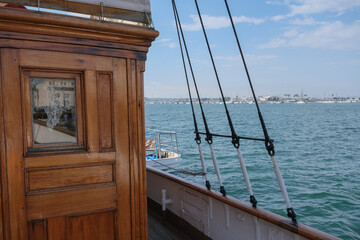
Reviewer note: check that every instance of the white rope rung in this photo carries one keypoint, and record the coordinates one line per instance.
(202, 161)
(281, 182)
(216, 165)
(244, 171)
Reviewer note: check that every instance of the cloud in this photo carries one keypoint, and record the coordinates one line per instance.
(307, 21)
(212, 22)
(274, 3)
(334, 35)
(307, 7)
(249, 58)
(167, 42)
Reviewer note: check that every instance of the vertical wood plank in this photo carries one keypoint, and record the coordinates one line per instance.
(56, 228)
(134, 147)
(14, 142)
(105, 112)
(3, 196)
(91, 111)
(121, 134)
(140, 68)
(38, 230)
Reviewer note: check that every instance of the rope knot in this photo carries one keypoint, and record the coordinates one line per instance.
(236, 141)
(270, 147)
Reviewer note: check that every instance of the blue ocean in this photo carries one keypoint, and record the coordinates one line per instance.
(317, 149)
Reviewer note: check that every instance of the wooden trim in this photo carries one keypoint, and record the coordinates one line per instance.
(35, 17)
(69, 37)
(34, 59)
(134, 148)
(26, 74)
(121, 144)
(68, 159)
(9, 43)
(91, 111)
(302, 230)
(14, 138)
(141, 141)
(4, 196)
(89, 9)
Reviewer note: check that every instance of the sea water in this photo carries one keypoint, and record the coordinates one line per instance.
(317, 149)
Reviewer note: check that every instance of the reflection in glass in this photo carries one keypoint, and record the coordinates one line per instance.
(53, 104)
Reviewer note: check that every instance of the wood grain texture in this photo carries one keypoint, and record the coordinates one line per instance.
(38, 230)
(14, 142)
(91, 112)
(98, 226)
(141, 139)
(105, 109)
(10, 43)
(50, 60)
(4, 214)
(121, 144)
(28, 16)
(134, 148)
(56, 228)
(68, 202)
(65, 177)
(105, 41)
(68, 159)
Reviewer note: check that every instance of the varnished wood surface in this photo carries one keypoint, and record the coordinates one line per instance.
(71, 201)
(105, 110)
(66, 177)
(80, 23)
(83, 227)
(13, 134)
(122, 146)
(96, 188)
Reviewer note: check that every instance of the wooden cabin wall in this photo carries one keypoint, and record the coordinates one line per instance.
(97, 189)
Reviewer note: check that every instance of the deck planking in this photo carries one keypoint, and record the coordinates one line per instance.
(158, 229)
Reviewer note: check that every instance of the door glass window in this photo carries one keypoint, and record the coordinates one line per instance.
(53, 106)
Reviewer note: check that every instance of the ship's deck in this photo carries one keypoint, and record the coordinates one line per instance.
(161, 230)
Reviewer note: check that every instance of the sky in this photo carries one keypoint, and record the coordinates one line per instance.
(289, 46)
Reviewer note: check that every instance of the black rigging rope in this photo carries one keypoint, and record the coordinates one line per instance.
(208, 134)
(197, 138)
(235, 138)
(268, 143)
(178, 23)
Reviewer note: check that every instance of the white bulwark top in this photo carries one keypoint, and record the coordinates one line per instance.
(133, 5)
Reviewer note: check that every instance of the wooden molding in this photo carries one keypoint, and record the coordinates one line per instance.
(40, 30)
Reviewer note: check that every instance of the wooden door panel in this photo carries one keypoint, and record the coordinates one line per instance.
(68, 159)
(38, 230)
(98, 226)
(56, 228)
(62, 203)
(94, 192)
(68, 177)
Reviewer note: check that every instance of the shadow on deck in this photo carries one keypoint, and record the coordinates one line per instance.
(163, 230)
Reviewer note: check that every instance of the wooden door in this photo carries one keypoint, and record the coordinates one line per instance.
(71, 141)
